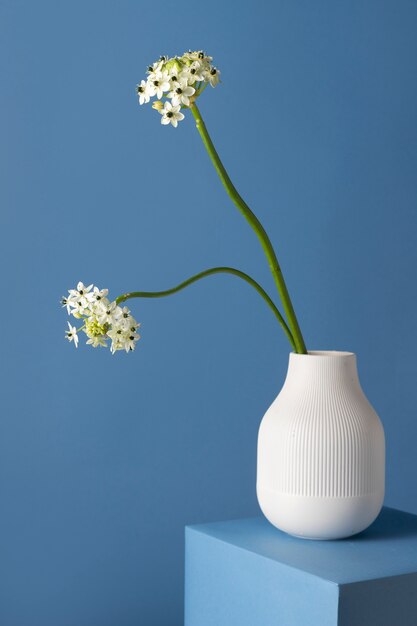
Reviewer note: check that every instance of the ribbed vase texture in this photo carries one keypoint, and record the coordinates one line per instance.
(321, 451)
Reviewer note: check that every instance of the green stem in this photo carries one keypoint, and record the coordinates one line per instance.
(257, 227)
(209, 272)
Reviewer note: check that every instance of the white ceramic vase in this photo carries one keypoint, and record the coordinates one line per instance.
(321, 451)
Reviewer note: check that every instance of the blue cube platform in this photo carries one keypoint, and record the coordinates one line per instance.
(247, 573)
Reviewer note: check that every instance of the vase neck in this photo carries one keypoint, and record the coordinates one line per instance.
(322, 367)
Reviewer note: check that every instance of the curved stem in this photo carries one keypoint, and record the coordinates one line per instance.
(209, 272)
(257, 227)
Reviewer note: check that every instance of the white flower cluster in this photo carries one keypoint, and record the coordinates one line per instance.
(103, 320)
(180, 80)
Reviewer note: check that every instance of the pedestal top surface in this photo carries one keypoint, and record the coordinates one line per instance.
(387, 548)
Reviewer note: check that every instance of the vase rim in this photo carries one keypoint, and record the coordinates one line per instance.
(324, 353)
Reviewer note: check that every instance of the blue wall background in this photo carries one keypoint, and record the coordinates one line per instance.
(104, 459)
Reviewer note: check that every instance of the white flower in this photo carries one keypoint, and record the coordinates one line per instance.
(181, 92)
(126, 318)
(81, 290)
(108, 313)
(158, 84)
(171, 114)
(130, 341)
(99, 295)
(143, 92)
(101, 318)
(196, 71)
(80, 307)
(71, 334)
(173, 79)
(174, 72)
(122, 339)
(198, 55)
(79, 300)
(154, 67)
(67, 303)
(123, 333)
(117, 335)
(214, 76)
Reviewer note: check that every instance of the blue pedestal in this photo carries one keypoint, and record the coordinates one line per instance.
(247, 573)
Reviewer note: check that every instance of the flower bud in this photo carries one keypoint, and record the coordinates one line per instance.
(158, 105)
(173, 64)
